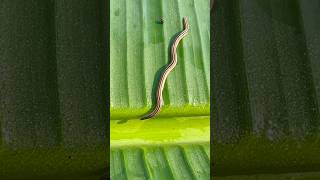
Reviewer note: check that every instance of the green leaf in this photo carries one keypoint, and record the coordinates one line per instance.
(266, 87)
(53, 74)
(175, 144)
(165, 162)
(139, 49)
(291, 176)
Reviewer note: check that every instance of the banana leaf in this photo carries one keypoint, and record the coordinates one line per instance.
(53, 89)
(174, 144)
(266, 89)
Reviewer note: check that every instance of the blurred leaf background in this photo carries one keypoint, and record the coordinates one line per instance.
(53, 89)
(266, 88)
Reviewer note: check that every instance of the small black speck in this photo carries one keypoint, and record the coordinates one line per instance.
(160, 21)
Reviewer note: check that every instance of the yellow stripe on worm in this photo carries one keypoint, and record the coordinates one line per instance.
(168, 69)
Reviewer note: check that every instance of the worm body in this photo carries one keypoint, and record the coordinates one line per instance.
(169, 68)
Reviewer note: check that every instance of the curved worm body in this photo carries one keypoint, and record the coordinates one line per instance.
(168, 69)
